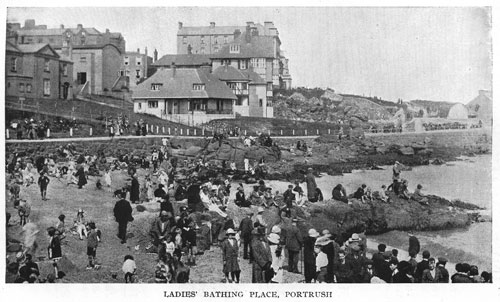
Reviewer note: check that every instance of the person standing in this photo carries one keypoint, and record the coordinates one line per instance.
(277, 257)
(309, 256)
(442, 274)
(430, 275)
(230, 254)
(246, 228)
(293, 245)
(289, 199)
(123, 215)
(422, 266)
(262, 258)
(82, 178)
(54, 248)
(43, 182)
(311, 186)
(92, 242)
(134, 189)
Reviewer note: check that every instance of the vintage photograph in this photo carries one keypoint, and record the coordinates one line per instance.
(248, 145)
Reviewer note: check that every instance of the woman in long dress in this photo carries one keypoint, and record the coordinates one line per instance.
(230, 257)
(277, 257)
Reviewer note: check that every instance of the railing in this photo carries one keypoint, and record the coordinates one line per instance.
(240, 91)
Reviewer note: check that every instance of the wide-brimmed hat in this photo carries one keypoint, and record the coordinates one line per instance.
(273, 238)
(260, 209)
(354, 237)
(313, 233)
(230, 231)
(214, 187)
(20, 257)
(322, 241)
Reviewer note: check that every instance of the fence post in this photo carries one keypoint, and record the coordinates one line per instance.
(328, 131)
(7, 134)
(90, 131)
(181, 131)
(269, 132)
(317, 131)
(281, 132)
(293, 131)
(203, 131)
(305, 132)
(194, 132)
(147, 128)
(168, 130)
(157, 129)
(187, 132)
(71, 132)
(163, 129)
(245, 132)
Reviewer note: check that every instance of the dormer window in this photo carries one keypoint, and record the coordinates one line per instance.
(156, 86)
(202, 39)
(234, 48)
(198, 86)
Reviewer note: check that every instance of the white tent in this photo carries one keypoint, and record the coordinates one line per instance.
(458, 112)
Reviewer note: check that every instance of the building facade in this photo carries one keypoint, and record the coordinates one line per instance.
(135, 67)
(185, 95)
(36, 71)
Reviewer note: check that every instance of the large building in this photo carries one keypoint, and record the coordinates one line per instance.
(37, 71)
(185, 95)
(97, 56)
(135, 67)
(220, 43)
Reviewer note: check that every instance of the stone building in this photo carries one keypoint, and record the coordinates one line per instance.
(37, 71)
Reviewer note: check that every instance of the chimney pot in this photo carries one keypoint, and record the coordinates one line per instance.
(62, 26)
(138, 50)
(79, 26)
(212, 24)
(107, 30)
(180, 25)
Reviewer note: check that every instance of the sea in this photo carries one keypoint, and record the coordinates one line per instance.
(468, 179)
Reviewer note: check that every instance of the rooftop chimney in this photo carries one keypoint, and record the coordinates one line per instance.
(138, 50)
(212, 24)
(250, 23)
(155, 55)
(173, 69)
(146, 51)
(79, 27)
(107, 30)
(268, 24)
(237, 34)
(62, 26)
(180, 25)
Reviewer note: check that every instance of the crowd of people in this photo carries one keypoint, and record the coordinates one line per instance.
(194, 218)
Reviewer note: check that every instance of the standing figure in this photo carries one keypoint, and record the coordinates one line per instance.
(43, 182)
(123, 215)
(230, 252)
(246, 228)
(277, 257)
(311, 186)
(82, 178)
(134, 189)
(262, 258)
(293, 245)
(54, 248)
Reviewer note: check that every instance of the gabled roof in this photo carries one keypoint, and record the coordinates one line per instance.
(37, 48)
(56, 31)
(183, 60)
(178, 84)
(229, 73)
(11, 47)
(258, 47)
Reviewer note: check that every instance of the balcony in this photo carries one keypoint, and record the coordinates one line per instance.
(237, 91)
(269, 93)
(224, 112)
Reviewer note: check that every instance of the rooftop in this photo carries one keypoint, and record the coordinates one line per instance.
(183, 60)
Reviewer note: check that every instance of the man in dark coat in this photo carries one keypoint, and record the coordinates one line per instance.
(442, 274)
(331, 250)
(288, 198)
(339, 193)
(161, 228)
(123, 214)
(82, 178)
(404, 273)
(357, 262)
(343, 269)
(461, 275)
(261, 255)
(134, 189)
(422, 266)
(193, 198)
(310, 256)
(293, 245)
(311, 186)
(378, 258)
(240, 199)
(385, 270)
(246, 228)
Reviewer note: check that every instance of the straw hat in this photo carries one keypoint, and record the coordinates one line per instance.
(230, 231)
(273, 238)
(354, 237)
(322, 241)
(313, 233)
(276, 229)
(260, 209)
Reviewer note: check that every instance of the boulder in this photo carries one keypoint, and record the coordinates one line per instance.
(407, 151)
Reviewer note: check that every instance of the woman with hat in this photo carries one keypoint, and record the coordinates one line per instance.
(230, 257)
(310, 256)
(277, 257)
(321, 259)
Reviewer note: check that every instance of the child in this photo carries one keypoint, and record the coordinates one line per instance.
(129, 268)
(382, 194)
(169, 245)
(162, 271)
(54, 249)
(81, 229)
(92, 242)
(60, 228)
(43, 182)
(24, 211)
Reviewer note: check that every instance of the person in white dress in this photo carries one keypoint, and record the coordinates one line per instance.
(277, 257)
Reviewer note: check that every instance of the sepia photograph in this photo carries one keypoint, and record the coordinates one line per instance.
(227, 145)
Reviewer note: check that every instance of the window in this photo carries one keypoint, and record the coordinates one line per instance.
(40, 40)
(51, 40)
(46, 87)
(152, 104)
(29, 40)
(270, 86)
(198, 86)
(202, 39)
(121, 73)
(46, 67)
(138, 61)
(184, 40)
(239, 101)
(126, 60)
(138, 73)
(215, 39)
(269, 102)
(243, 64)
(258, 62)
(197, 105)
(28, 88)
(139, 106)
(156, 86)
(226, 62)
(83, 59)
(13, 64)
(234, 48)
(216, 48)
(244, 86)
(225, 39)
(260, 102)
(21, 87)
(81, 78)
(65, 69)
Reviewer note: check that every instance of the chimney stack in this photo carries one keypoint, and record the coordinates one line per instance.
(247, 34)
(79, 27)
(250, 23)
(237, 34)
(155, 55)
(62, 26)
(180, 25)
(29, 24)
(146, 51)
(173, 69)
(212, 24)
(138, 50)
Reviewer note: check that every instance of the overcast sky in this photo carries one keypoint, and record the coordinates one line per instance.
(440, 54)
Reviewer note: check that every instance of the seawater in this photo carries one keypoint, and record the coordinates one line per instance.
(468, 179)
